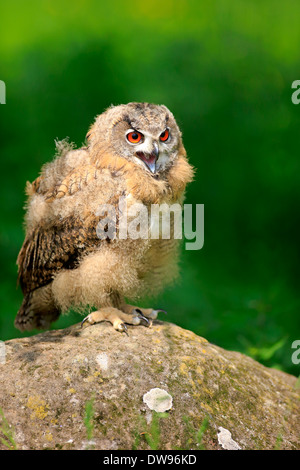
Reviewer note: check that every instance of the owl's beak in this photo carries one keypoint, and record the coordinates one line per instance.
(154, 157)
(150, 159)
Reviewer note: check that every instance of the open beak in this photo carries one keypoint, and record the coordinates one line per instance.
(150, 159)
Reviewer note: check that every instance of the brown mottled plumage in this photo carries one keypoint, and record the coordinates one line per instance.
(63, 263)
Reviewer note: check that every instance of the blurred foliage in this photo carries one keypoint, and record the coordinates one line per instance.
(225, 70)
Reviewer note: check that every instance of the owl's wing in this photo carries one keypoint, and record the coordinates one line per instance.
(74, 181)
(49, 248)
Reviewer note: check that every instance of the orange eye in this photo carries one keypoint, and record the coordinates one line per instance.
(134, 137)
(164, 135)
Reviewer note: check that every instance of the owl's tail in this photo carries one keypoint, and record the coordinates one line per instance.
(38, 310)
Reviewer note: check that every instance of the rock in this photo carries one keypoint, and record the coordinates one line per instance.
(78, 389)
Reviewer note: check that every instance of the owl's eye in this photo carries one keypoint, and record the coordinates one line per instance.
(164, 135)
(134, 137)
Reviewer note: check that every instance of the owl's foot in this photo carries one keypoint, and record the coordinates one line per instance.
(116, 318)
(148, 314)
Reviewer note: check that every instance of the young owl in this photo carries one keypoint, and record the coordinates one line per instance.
(134, 152)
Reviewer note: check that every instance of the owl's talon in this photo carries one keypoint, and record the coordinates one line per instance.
(154, 314)
(144, 314)
(161, 311)
(86, 319)
(122, 328)
(142, 317)
(145, 319)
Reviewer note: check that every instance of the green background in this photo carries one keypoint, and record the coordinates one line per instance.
(225, 70)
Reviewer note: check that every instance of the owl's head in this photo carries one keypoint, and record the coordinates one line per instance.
(143, 133)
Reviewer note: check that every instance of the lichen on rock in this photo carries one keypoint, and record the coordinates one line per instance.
(225, 440)
(158, 400)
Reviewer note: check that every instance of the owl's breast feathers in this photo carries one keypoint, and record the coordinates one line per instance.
(60, 243)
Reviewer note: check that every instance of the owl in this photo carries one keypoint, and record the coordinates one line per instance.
(134, 152)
